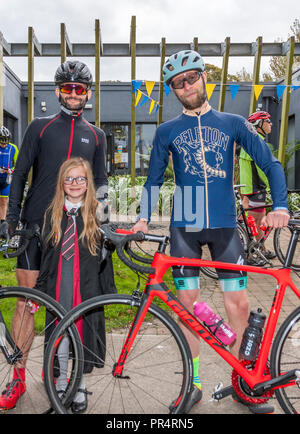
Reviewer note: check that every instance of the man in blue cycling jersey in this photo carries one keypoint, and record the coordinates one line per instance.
(8, 157)
(201, 141)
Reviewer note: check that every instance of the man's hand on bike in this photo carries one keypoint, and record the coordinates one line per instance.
(141, 225)
(276, 219)
(7, 229)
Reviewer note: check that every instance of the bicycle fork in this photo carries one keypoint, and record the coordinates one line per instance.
(135, 327)
(6, 337)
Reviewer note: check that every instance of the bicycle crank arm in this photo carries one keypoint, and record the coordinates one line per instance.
(220, 393)
(261, 388)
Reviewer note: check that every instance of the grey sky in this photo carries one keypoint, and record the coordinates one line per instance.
(176, 20)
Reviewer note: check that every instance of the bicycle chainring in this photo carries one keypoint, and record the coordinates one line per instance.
(243, 391)
(255, 254)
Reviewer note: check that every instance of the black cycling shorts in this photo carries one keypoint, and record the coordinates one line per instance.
(224, 245)
(30, 259)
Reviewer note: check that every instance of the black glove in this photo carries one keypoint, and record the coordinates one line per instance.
(8, 228)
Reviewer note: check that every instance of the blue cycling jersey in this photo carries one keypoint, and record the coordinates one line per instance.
(202, 148)
(8, 158)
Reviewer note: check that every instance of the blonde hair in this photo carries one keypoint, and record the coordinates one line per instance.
(90, 233)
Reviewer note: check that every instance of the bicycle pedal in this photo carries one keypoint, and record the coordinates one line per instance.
(220, 392)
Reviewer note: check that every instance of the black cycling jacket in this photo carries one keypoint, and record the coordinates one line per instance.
(47, 143)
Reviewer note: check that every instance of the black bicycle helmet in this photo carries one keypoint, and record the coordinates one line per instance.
(73, 70)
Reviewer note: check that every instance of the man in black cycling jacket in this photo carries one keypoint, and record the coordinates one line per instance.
(47, 143)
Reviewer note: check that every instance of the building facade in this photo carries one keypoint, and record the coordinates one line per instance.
(116, 117)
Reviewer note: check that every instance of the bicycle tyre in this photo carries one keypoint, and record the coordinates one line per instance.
(211, 272)
(158, 367)
(281, 241)
(35, 399)
(285, 356)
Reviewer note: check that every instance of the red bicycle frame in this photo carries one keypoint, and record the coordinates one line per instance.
(156, 288)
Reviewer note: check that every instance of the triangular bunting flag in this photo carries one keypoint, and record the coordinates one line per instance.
(280, 89)
(149, 86)
(167, 89)
(234, 89)
(157, 107)
(210, 87)
(151, 106)
(139, 94)
(136, 84)
(294, 87)
(257, 90)
(144, 100)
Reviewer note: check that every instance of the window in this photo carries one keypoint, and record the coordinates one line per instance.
(144, 134)
(119, 148)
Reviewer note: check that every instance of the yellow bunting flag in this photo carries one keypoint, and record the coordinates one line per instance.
(210, 87)
(149, 86)
(257, 90)
(138, 97)
(151, 106)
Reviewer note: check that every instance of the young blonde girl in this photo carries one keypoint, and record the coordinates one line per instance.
(72, 269)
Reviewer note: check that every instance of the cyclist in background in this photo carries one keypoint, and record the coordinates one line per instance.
(201, 141)
(8, 157)
(253, 177)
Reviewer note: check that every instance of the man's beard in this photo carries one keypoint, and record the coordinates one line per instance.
(198, 102)
(81, 104)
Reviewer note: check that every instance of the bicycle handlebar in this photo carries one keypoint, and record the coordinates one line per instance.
(294, 223)
(122, 238)
(27, 235)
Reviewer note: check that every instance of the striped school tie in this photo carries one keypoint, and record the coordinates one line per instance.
(69, 236)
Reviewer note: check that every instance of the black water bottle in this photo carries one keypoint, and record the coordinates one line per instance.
(252, 335)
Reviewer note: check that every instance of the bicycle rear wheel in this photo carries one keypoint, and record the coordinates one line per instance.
(14, 331)
(157, 371)
(281, 241)
(285, 356)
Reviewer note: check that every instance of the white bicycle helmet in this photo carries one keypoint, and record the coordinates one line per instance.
(4, 132)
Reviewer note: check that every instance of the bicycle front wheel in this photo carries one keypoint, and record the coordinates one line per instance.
(158, 369)
(285, 356)
(23, 338)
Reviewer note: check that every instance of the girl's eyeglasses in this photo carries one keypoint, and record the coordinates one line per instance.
(79, 180)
